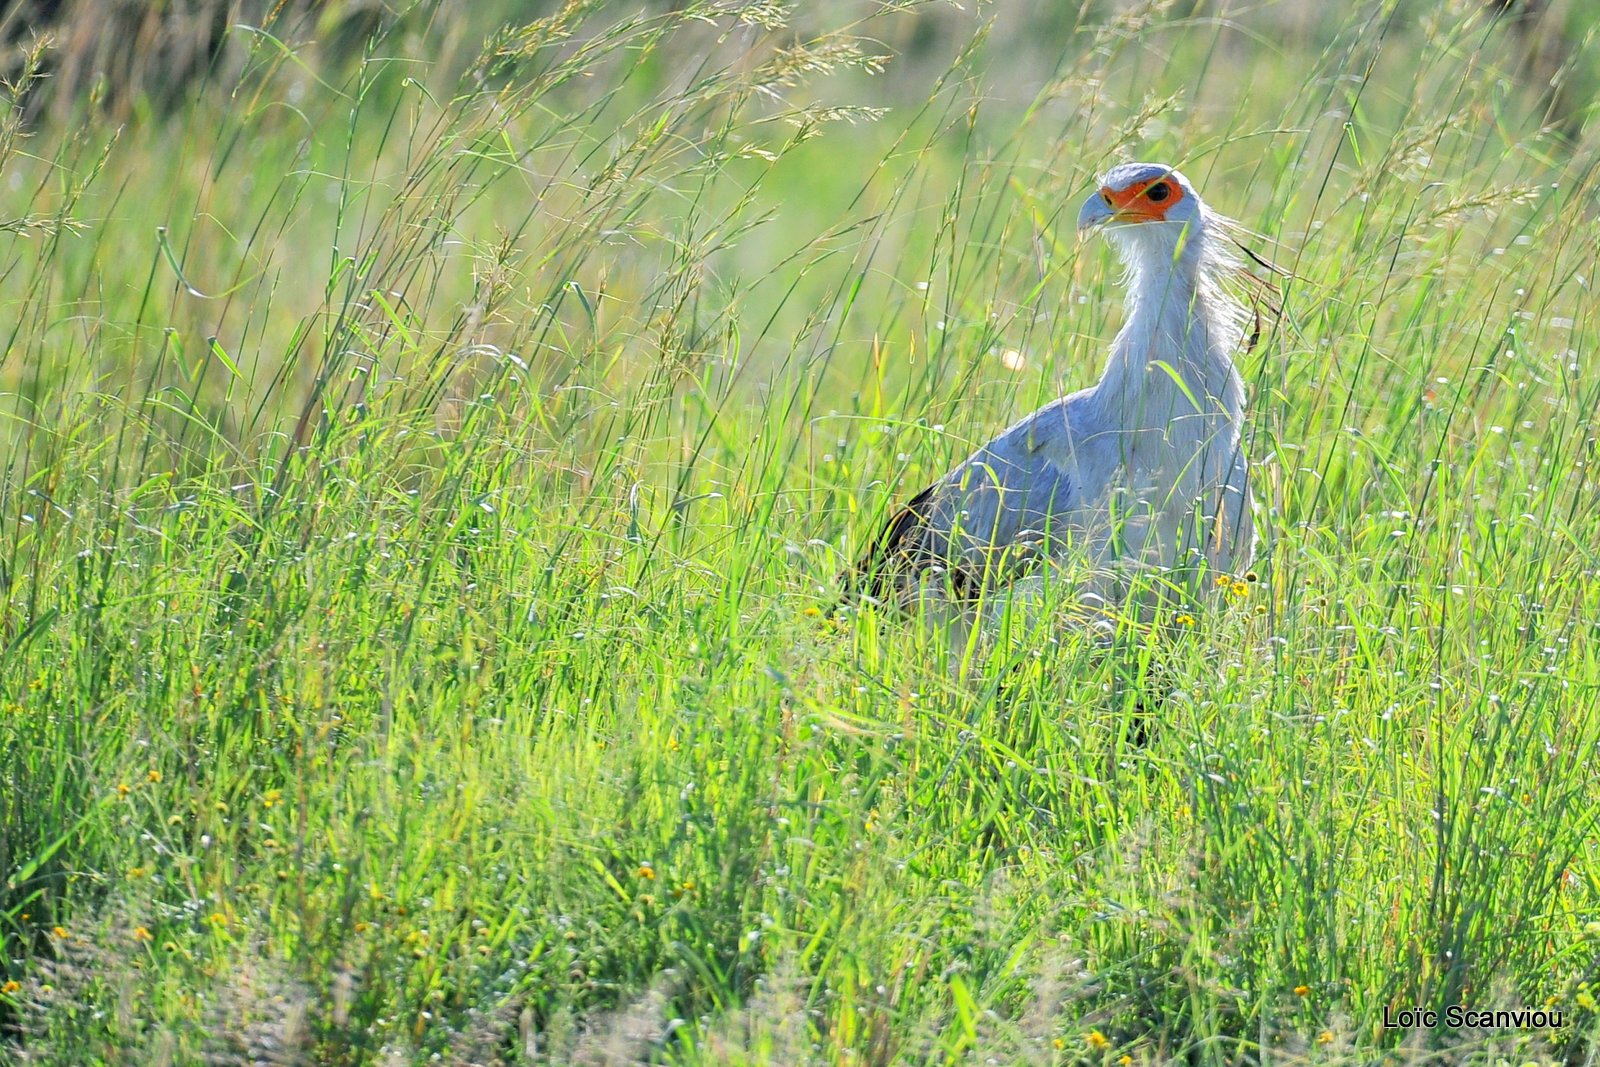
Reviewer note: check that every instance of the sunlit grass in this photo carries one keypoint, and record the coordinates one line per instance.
(420, 500)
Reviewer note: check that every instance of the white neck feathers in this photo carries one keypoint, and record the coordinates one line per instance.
(1172, 360)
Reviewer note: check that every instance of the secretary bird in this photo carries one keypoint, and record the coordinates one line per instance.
(1143, 471)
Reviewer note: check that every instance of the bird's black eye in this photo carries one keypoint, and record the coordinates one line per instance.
(1158, 192)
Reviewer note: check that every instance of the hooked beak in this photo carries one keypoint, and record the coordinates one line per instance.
(1095, 213)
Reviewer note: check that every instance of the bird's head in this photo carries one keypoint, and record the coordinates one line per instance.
(1145, 206)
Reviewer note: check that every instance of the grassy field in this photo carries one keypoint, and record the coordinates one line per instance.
(424, 465)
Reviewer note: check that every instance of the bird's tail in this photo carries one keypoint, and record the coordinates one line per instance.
(894, 553)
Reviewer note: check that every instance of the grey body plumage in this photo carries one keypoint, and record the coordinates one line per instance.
(1144, 469)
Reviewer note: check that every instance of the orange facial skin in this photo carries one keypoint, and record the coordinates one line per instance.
(1136, 202)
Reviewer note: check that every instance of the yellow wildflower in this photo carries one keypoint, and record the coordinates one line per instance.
(10, 987)
(123, 789)
(1325, 1038)
(1585, 1000)
(152, 775)
(1185, 619)
(1302, 991)
(1058, 1043)
(271, 798)
(646, 872)
(141, 934)
(59, 931)
(1097, 1041)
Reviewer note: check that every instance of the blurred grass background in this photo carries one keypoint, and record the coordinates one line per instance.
(428, 432)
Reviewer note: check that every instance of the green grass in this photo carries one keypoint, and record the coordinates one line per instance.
(416, 492)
